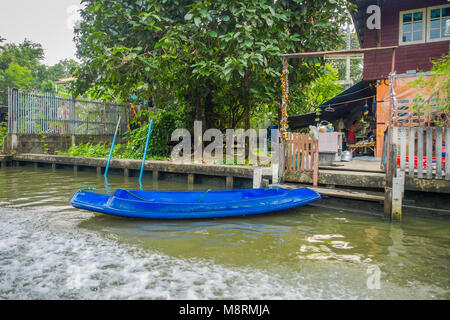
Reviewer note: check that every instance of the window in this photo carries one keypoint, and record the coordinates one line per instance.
(424, 25)
(412, 26)
(437, 20)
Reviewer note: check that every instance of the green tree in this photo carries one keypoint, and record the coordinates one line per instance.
(219, 57)
(307, 98)
(21, 67)
(17, 76)
(63, 69)
(26, 54)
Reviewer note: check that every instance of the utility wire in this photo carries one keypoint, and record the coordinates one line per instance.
(349, 101)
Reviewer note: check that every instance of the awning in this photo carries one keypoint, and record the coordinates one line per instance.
(349, 102)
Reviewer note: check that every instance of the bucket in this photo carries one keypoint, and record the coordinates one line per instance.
(346, 156)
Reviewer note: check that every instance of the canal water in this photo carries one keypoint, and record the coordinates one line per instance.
(49, 250)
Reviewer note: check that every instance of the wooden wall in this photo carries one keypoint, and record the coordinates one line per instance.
(408, 57)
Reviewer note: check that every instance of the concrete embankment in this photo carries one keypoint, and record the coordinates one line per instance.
(369, 180)
(230, 173)
(351, 191)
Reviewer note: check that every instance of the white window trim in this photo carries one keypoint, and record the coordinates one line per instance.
(400, 27)
(429, 24)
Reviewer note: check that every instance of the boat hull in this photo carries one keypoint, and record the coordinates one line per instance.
(193, 205)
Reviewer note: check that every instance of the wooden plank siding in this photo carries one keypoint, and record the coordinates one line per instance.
(418, 57)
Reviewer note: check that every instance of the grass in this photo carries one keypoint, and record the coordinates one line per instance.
(102, 150)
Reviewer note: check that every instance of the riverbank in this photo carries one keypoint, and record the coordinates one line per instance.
(367, 199)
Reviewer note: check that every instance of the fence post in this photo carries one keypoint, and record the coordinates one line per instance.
(438, 153)
(447, 153)
(390, 173)
(398, 184)
(315, 162)
(420, 153)
(429, 153)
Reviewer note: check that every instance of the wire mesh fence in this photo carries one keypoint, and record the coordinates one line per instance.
(32, 113)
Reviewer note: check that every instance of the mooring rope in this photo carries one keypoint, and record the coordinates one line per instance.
(136, 196)
(204, 195)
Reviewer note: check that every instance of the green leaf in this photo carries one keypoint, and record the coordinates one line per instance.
(212, 33)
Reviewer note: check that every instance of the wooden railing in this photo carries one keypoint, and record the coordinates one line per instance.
(423, 152)
(302, 154)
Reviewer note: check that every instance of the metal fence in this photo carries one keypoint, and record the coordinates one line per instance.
(32, 113)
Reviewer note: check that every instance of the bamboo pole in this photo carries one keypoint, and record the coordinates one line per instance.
(145, 153)
(112, 148)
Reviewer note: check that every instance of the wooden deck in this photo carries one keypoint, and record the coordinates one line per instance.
(339, 193)
(355, 165)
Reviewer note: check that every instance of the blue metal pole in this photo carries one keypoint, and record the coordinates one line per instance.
(145, 152)
(112, 148)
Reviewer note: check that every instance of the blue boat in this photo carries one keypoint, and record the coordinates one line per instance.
(192, 204)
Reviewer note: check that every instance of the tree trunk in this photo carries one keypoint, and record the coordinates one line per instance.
(247, 111)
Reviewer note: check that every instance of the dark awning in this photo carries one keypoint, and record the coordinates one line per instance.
(349, 102)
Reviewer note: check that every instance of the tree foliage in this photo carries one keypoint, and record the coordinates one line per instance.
(21, 68)
(318, 91)
(438, 101)
(219, 58)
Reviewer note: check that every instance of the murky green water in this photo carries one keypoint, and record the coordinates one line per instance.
(49, 250)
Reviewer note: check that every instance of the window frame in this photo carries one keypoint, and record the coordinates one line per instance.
(428, 31)
(424, 26)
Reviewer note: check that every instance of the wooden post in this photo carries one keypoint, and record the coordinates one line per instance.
(99, 171)
(275, 171)
(420, 153)
(438, 153)
(75, 169)
(126, 172)
(429, 153)
(393, 61)
(281, 127)
(398, 186)
(412, 142)
(155, 175)
(190, 181)
(53, 167)
(403, 149)
(390, 173)
(315, 162)
(447, 153)
(229, 182)
(257, 176)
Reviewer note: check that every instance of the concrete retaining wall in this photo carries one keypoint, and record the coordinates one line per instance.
(163, 166)
(365, 180)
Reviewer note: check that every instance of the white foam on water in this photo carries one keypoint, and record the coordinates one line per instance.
(46, 256)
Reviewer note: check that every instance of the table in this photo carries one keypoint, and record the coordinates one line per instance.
(363, 146)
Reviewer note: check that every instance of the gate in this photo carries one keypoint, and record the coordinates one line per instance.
(302, 154)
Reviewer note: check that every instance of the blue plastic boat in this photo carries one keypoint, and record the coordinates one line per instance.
(193, 204)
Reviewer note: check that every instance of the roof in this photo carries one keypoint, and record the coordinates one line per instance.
(336, 52)
(359, 16)
(65, 80)
(343, 104)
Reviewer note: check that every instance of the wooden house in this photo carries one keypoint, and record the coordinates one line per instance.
(417, 28)
(410, 34)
